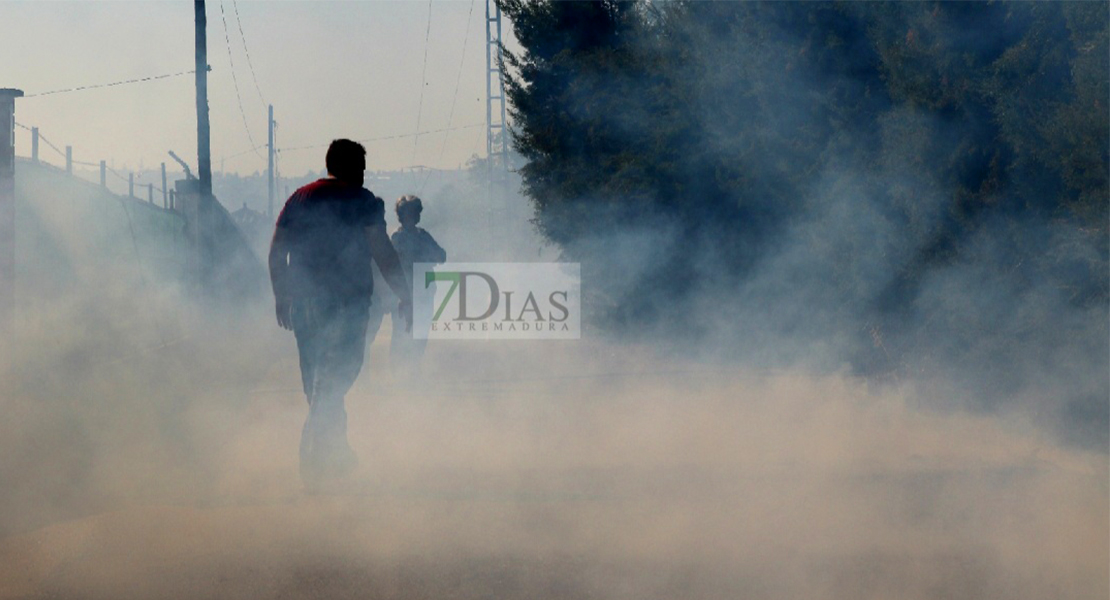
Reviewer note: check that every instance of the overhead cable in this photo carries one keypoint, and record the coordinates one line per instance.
(455, 97)
(235, 80)
(113, 84)
(246, 51)
(388, 137)
(423, 84)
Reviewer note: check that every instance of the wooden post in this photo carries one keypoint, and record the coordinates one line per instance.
(69, 160)
(7, 205)
(165, 189)
(204, 145)
(103, 174)
(35, 145)
(173, 199)
(201, 262)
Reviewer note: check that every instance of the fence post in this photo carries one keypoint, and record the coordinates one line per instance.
(173, 199)
(150, 193)
(131, 185)
(35, 145)
(165, 189)
(7, 205)
(69, 160)
(103, 175)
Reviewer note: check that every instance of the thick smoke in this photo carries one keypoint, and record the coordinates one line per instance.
(750, 447)
(822, 220)
(150, 451)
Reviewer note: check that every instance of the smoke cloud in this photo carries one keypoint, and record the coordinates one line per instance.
(150, 451)
(765, 433)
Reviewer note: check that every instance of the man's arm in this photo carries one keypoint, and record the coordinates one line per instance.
(390, 266)
(279, 277)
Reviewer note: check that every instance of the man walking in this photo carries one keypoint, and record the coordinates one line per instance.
(320, 268)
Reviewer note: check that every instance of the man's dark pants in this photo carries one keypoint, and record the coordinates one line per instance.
(331, 340)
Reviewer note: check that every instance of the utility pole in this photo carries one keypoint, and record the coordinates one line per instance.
(496, 147)
(270, 169)
(7, 205)
(204, 145)
(197, 200)
(497, 162)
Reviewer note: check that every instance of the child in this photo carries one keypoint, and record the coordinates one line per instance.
(414, 245)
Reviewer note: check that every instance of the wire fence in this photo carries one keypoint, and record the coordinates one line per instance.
(97, 172)
(145, 219)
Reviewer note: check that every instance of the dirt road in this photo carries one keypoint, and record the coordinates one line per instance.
(568, 473)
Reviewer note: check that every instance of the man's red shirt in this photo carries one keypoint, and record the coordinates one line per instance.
(324, 227)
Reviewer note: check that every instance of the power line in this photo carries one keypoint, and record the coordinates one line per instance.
(277, 162)
(455, 97)
(246, 51)
(247, 151)
(423, 72)
(388, 137)
(477, 144)
(113, 84)
(235, 79)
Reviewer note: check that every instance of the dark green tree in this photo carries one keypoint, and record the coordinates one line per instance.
(915, 187)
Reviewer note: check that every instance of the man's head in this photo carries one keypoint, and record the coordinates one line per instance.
(346, 161)
(408, 210)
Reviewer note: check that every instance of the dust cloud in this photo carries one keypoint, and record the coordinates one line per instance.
(149, 451)
(505, 477)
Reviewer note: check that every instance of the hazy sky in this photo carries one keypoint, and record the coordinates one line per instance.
(331, 69)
